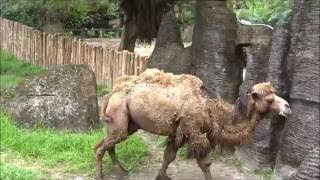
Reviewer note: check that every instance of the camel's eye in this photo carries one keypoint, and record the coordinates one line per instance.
(269, 99)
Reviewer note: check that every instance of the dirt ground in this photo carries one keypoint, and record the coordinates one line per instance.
(181, 168)
(142, 49)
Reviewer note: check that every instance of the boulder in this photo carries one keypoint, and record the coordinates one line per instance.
(62, 98)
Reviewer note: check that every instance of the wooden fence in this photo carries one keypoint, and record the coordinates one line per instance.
(49, 50)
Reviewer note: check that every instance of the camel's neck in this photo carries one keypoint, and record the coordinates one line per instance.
(232, 124)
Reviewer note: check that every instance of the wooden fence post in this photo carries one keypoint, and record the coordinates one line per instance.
(124, 63)
(111, 66)
(49, 50)
(45, 60)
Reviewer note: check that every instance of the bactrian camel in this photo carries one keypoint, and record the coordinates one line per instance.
(178, 106)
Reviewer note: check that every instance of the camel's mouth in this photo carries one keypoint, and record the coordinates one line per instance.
(285, 113)
(282, 106)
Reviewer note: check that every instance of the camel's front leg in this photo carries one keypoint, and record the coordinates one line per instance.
(169, 155)
(204, 163)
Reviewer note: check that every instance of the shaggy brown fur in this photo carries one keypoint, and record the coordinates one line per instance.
(155, 76)
(179, 107)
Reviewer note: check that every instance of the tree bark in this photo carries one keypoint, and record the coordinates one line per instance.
(310, 167)
(256, 42)
(214, 48)
(169, 53)
(261, 65)
(141, 20)
(128, 35)
(301, 132)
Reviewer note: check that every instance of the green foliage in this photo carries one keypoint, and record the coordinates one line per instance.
(13, 70)
(266, 173)
(183, 152)
(102, 90)
(74, 14)
(71, 150)
(185, 12)
(270, 12)
(110, 34)
(16, 173)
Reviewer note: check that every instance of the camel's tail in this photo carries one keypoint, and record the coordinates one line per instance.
(103, 107)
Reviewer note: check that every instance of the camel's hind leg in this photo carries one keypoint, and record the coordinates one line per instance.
(111, 151)
(204, 163)
(169, 155)
(107, 144)
(116, 132)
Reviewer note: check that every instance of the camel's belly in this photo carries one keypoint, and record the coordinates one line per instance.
(156, 110)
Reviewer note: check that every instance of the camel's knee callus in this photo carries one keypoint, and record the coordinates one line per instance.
(107, 119)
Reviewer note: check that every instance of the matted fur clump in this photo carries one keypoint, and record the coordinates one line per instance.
(158, 77)
(223, 116)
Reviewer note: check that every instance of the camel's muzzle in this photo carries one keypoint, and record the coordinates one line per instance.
(283, 107)
(286, 112)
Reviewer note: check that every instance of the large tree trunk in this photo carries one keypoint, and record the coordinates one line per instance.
(256, 41)
(310, 167)
(214, 48)
(169, 53)
(301, 132)
(261, 66)
(128, 35)
(141, 20)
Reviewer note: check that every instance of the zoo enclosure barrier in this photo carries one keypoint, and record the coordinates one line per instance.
(49, 50)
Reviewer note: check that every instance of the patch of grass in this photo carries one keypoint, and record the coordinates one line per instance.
(217, 154)
(183, 152)
(13, 70)
(71, 150)
(17, 173)
(266, 173)
(161, 141)
(238, 164)
(102, 90)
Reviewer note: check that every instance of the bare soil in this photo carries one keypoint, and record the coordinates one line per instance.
(181, 168)
(142, 49)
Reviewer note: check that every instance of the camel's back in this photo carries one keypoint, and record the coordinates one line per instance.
(158, 78)
(156, 100)
(178, 90)
(158, 109)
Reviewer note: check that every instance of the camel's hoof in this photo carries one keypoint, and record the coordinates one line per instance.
(99, 178)
(163, 177)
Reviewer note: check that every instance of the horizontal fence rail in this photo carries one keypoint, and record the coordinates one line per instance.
(49, 50)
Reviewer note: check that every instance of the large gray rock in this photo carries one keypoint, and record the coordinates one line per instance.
(63, 98)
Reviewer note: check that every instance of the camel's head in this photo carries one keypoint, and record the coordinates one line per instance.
(265, 101)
